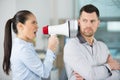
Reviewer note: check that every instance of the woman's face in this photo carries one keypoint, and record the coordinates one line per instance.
(29, 28)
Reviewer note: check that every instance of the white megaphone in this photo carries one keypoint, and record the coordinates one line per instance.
(69, 29)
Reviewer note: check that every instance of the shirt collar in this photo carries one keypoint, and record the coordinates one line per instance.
(82, 40)
(23, 41)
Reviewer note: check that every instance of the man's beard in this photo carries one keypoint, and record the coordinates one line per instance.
(87, 33)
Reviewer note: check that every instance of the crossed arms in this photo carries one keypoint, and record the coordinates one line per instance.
(112, 65)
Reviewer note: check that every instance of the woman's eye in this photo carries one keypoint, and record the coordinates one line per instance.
(34, 22)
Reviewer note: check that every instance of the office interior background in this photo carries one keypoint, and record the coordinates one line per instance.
(54, 12)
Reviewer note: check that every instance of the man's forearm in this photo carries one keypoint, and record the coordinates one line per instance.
(115, 75)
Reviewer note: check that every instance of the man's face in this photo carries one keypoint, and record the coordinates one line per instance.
(88, 23)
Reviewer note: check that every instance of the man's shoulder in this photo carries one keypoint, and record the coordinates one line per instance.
(71, 41)
(101, 42)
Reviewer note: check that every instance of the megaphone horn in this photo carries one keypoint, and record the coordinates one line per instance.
(68, 29)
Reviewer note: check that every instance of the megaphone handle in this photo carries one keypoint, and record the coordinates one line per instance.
(53, 35)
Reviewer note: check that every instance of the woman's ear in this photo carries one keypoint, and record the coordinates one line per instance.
(20, 26)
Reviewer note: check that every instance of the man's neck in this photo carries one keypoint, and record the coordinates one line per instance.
(89, 39)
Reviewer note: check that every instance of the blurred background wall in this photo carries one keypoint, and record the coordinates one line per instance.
(52, 12)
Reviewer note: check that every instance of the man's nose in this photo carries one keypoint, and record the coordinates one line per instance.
(89, 24)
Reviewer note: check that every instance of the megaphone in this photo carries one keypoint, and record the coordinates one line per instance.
(68, 29)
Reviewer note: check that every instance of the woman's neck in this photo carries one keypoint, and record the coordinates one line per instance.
(24, 38)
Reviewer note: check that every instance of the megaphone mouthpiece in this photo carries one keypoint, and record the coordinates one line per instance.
(45, 29)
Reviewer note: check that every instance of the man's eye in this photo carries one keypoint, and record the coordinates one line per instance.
(92, 21)
(84, 20)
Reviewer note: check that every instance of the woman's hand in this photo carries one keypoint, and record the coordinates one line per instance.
(53, 42)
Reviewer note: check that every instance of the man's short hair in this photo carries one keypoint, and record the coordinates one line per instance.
(89, 9)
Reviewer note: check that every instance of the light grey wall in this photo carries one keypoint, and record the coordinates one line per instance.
(65, 8)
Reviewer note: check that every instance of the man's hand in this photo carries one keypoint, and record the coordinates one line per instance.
(114, 65)
(78, 77)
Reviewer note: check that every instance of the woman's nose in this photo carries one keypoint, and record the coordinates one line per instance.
(37, 27)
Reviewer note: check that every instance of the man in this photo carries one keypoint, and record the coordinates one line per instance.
(86, 58)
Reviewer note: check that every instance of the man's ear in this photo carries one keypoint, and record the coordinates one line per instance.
(20, 26)
(78, 22)
(98, 23)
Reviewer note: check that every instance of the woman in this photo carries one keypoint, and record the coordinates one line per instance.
(20, 56)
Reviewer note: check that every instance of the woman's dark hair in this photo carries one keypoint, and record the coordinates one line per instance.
(20, 16)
